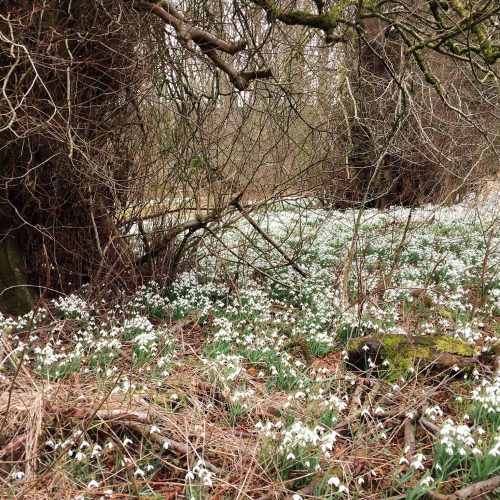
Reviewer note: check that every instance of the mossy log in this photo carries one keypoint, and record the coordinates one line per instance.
(401, 352)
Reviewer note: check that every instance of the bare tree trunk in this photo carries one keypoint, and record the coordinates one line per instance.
(15, 296)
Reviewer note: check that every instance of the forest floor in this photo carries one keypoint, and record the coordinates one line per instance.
(236, 382)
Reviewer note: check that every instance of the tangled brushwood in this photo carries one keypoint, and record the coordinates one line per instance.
(109, 106)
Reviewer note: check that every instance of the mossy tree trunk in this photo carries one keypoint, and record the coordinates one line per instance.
(15, 296)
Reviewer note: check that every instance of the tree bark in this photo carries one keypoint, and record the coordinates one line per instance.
(15, 296)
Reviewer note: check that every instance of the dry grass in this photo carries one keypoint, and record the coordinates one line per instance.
(197, 426)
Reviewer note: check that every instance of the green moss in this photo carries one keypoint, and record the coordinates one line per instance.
(454, 346)
(401, 358)
(390, 340)
(402, 351)
(445, 314)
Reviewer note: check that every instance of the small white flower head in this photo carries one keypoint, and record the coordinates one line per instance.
(139, 473)
(296, 497)
(334, 481)
(127, 441)
(93, 484)
(96, 450)
(189, 476)
(18, 475)
(417, 464)
(166, 445)
(361, 480)
(426, 481)
(154, 430)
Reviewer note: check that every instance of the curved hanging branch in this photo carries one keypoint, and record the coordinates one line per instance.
(446, 27)
(209, 44)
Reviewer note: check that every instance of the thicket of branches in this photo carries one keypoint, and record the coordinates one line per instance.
(199, 107)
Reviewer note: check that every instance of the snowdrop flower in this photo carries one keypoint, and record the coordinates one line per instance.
(127, 441)
(297, 497)
(139, 472)
(361, 481)
(418, 462)
(154, 429)
(18, 475)
(426, 481)
(334, 481)
(93, 484)
(166, 445)
(96, 451)
(80, 456)
(495, 452)
(189, 476)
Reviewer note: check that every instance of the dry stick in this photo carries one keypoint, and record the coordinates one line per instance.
(472, 491)
(127, 418)
(236, 203)
(14, 445)
(429, 425)
(409, 433)
(255, 268)
(230, 279)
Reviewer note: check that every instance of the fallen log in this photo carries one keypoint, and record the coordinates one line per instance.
(476, 490)
(401, 353)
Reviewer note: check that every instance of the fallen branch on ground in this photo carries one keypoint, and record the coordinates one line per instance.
(472, 491)
(129, 418)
